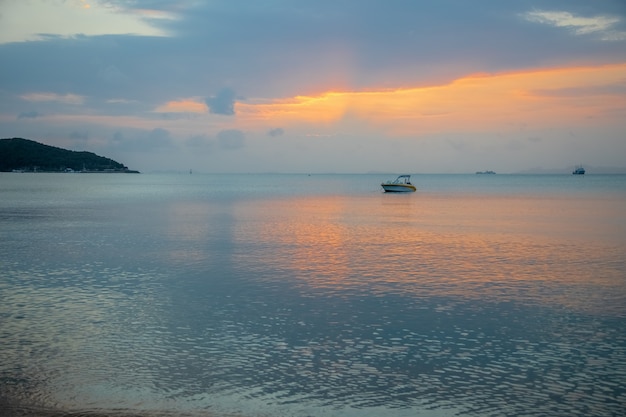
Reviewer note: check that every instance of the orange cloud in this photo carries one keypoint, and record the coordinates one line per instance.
(182, 106)
(325, 108)
(537, 98)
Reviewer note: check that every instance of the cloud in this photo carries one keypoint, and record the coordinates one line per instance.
(460, 145)
(43, 97)
(547, 97)
(182, 106)
(597, 25)
(72, 18)
(29, 115)
(231, 139)
(112, 75)
(617, 89)
(79, 135)
(158, 139)
(200, 142)
(279, 131)
(222, 103)
(79, 140)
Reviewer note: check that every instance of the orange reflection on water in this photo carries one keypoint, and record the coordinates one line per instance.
(481, 247)
(305, 235)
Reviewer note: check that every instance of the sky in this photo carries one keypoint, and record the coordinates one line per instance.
(322, 86)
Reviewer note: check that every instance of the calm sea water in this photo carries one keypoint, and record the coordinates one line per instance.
(277, 295)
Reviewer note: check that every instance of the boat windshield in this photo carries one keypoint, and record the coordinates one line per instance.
(403, 179)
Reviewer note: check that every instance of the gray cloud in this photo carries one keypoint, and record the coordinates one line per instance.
(200, 142)
(231, 139)
(79, 140)
(112, 75)
(159, 138)
(279, 131)
(29, 115)
(154, 140)
(79, 135)
(222, 103)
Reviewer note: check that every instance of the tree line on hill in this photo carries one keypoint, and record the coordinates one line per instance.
(17, 154)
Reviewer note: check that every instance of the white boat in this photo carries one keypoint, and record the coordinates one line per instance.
(402, 184)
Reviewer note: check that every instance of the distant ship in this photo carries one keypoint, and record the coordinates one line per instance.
(485, 172)
(579, 170)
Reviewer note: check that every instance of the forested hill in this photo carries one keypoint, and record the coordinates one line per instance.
(28, 155)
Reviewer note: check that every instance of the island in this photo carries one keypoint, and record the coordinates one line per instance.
(25, 155)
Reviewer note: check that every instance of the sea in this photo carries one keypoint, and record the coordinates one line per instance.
(257, 295)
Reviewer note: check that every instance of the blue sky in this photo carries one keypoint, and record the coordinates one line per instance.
(319, 86)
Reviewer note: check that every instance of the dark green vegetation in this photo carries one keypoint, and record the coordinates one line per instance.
(28, 155)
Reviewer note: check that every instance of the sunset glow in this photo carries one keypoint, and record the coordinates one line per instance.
(334, 87)
(183, 106)
(312, 208)
(540, 98)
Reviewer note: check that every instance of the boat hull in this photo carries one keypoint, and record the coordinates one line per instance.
(398, 188)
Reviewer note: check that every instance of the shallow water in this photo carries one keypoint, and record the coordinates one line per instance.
(258, 295)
